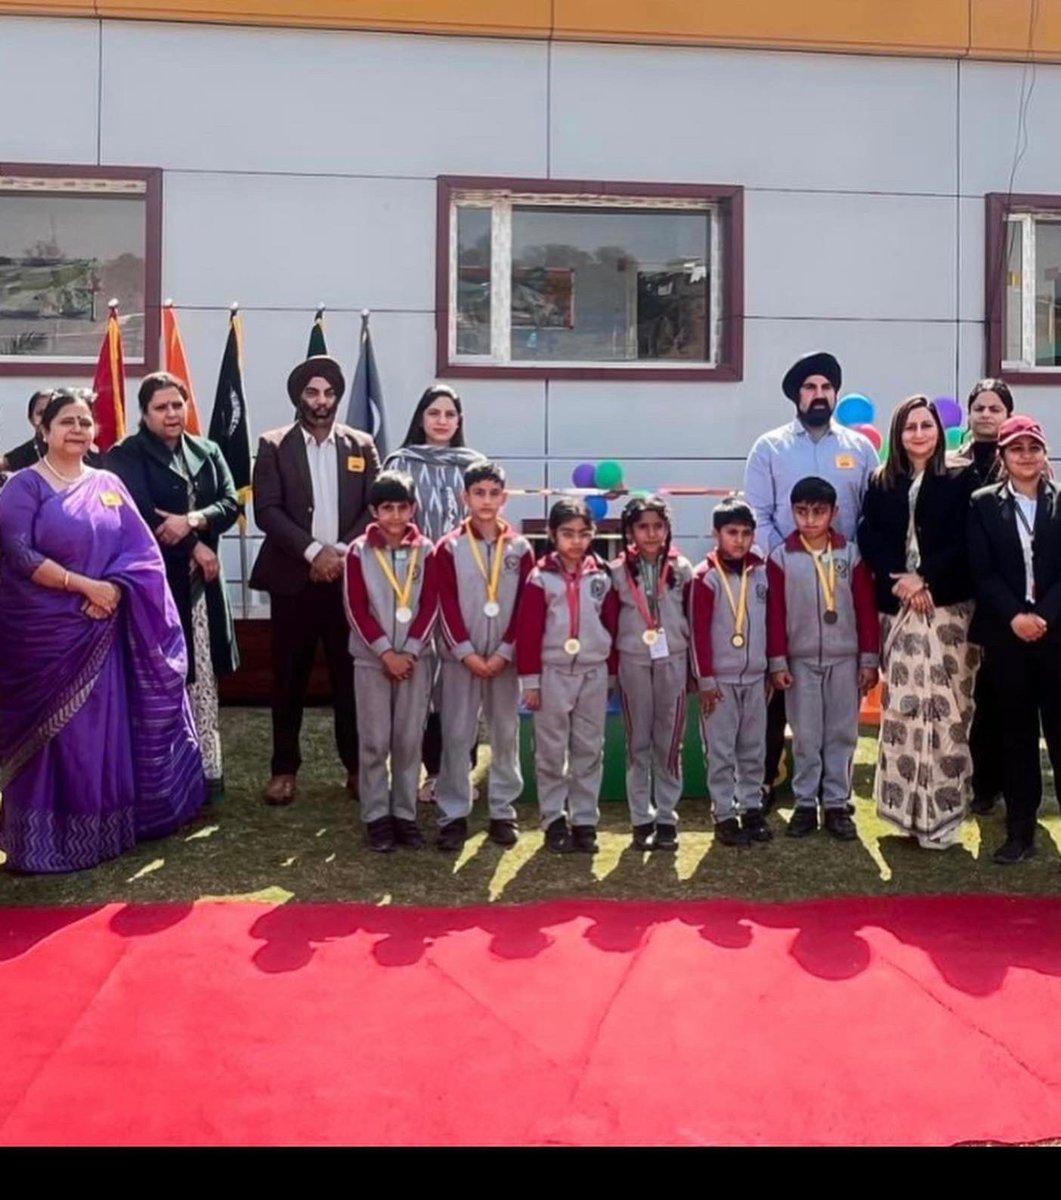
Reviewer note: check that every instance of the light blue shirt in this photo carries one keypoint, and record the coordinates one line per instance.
(781, 458)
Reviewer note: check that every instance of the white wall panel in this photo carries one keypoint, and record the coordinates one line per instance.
(242, 99)
(503, 418)
(49, 82)
(762, 119)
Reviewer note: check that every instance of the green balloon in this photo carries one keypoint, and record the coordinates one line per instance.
(609, 475)
(954, 438)
(882, 453)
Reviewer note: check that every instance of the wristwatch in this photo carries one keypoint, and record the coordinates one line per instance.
(196, 520)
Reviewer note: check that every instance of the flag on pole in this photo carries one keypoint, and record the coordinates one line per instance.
(109, 385)
(177, 364)
(317, 344)
(365, 410)
(229, 426)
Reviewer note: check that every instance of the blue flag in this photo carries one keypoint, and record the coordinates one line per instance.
(365, 410)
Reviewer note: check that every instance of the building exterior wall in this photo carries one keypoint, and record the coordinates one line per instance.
(300, 166)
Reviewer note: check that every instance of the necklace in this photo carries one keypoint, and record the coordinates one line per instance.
(60, 475)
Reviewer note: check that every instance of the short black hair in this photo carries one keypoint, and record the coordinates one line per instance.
(63, 398)
(34, 398)
(569, 508)
(392, 487)
(813, 490)
(159, 381)
(732, 511)
(484, 472)
(1001, 389)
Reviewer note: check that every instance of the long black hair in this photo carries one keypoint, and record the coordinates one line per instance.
(634, 509)
(415, 435)
(568, 508)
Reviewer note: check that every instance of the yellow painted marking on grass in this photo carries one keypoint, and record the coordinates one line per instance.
(205, 832)
(872, 845)
(971, 838)
(321, 832)
(288, 861)
(1053, 829)
(269, 895)
(151, 866)
(469, 850)
(511, 863)
(692, 850)
(330, 858)
(610, 847)
(384, 900)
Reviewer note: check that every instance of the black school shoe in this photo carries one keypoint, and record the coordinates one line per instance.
(1012, 851)
(982, 806)
(729, 833)
(503, 832)
(558, 837)
(803, 822)
(754, 824)
(839, 824)
(380, 835)
(666, 838)
(644, 836)
(407, 833)
(453, 835)
(584, 838)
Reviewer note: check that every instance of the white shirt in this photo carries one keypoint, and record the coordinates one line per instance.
(324, 476)
(1025, 514)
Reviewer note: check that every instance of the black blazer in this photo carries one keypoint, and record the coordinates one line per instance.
(998, 564)
(939, 518)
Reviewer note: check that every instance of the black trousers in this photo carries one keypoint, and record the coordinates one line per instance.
(298, 624)
(1025, 676)
(985, 736)
(775, 737)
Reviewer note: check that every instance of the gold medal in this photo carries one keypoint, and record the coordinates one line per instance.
(572, 646)
(827, 581)
(738, 607)
(738, 640)
(403, 614)
(493, 579)
(650, 637)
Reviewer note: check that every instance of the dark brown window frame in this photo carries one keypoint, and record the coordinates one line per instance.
(729, 198)
(152, 180)
(999, 206)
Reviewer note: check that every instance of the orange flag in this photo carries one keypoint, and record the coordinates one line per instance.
(177, 364)
(109, 385)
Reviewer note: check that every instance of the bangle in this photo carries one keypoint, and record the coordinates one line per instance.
(66, 581)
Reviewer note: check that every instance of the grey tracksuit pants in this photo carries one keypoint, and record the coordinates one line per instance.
(734, 736)
(822, 708)
(464, 696)
(569, 742)
(653, 696)
(390, 723)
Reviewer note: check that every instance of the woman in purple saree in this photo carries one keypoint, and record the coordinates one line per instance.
(97, 741)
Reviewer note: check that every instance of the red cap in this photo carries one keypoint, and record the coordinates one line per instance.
(1015, 427)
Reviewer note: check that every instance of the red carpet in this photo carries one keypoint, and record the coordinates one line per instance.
(924, 1021)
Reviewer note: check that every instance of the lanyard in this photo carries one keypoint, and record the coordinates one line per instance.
(573, 587)
(1027, 547)
(402, 592)
(493, 580)
(828, 585)
(739, 608)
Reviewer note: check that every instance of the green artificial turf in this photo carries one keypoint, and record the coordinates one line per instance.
(314, 851)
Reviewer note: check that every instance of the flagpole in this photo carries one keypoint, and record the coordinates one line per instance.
(244, 590)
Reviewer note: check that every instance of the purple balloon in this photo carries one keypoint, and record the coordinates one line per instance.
(950, 412)
(598, 506)
(584, 475)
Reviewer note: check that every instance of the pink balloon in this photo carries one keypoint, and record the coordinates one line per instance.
(873, 435)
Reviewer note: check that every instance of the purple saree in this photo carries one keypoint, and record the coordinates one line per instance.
(97, 741)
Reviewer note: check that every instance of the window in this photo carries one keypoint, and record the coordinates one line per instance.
(71, 239)
(553, 279)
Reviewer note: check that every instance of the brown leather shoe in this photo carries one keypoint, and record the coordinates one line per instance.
(353, 784)
(280, 790)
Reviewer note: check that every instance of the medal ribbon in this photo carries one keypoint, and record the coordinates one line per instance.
(828, 588)
(640, 599)
(573, 583)
(402, 592)
(740, 607)
(493, 580)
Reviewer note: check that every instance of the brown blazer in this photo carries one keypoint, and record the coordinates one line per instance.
(283, 502)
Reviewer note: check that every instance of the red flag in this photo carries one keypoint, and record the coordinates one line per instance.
(177, 364)
(109, 386)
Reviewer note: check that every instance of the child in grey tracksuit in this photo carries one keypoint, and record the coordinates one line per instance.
(391, 598)
(728, 603)
(482, 567)
(652, 583)
(829, 639)
(565, 655)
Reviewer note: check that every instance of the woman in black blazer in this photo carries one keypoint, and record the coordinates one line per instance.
(1014, 536)
(184, 491)
(910, 534)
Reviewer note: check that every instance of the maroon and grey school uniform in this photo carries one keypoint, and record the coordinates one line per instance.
(391, 715)
(569, 726)
(823, 653)
(652, 679)
(735, 732)
(466, 628)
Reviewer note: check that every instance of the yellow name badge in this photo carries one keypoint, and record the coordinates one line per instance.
(355, 464)
(111, 499)
(845, 462)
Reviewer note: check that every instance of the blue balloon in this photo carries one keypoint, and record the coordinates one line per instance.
(854, 409)
(597, 506)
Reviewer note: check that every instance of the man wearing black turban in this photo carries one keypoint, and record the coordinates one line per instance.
(311, 483)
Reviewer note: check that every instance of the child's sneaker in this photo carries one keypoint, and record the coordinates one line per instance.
(644, 836)
(754, 824)
(584, 838)
(840, 825)
(453, 835)
(666, 837)
(558, 837)
(503, 832)
(380, 835)
(407, 833)
(803, 822)
(729, 833)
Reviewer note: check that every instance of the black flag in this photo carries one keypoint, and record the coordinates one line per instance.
(229, 426)
(365, 410)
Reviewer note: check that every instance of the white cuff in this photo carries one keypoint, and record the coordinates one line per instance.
(311, 552)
